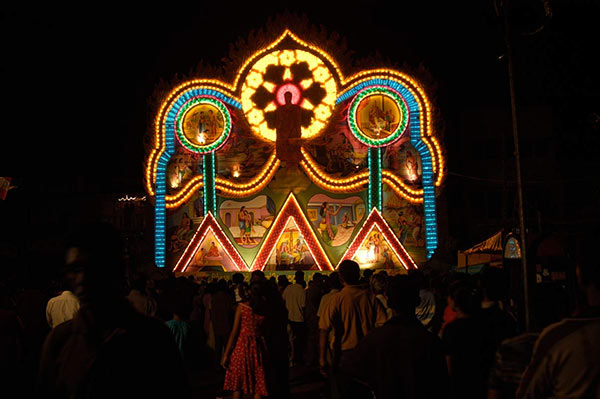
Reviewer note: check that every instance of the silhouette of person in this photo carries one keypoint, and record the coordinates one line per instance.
(108, 349)
(288, 119)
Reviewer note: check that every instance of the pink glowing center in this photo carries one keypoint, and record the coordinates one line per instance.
(284, 88)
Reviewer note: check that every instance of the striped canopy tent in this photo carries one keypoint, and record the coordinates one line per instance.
(492, 245)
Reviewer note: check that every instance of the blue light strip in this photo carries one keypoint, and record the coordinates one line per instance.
(160, 209)
(431, 240)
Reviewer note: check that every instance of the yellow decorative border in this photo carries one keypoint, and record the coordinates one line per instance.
(321, 178)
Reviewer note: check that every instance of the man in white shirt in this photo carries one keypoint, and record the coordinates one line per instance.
(295, 301)
(140, 300)
(61, 308)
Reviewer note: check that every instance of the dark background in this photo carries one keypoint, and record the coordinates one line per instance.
(77, 80)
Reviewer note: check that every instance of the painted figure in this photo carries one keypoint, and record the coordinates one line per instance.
(300, 249)
(202, 123)
(200, 257)
(412, 167)
(283, 252)
(185, 226)
(371, 250)
(345, 220)
(213, 124)
(403, 233)
(248, 228)
(327, 220)
(213, 252)
(416, 227)
(376, 244)
(184, 172)
(388, 263)
(242, 224)
(288, 120)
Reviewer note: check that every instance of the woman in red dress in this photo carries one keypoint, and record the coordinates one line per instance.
(245, 363)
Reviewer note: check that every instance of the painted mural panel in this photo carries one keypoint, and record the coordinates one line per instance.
(210, 256)
(407, 222)
(243, 155)
(248, 220)
(338, 151)
(334, 219)
(404, 160)
(182, 167)
(376, 253)
(291, 251)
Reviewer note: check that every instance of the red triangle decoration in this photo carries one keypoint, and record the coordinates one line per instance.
(375, 220)
(291, 210)
(209, 225)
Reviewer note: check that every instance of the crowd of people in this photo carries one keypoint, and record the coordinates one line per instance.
(369, 334)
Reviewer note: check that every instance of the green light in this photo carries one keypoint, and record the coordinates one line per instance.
(375, 185)
(210, 196)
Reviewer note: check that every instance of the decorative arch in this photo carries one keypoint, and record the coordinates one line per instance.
(233, 97)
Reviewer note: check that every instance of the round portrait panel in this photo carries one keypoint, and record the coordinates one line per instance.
(203, 124)
(378, 116)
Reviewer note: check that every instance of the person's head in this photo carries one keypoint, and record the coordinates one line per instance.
(464, 297)
(334, 281)
(237, 278)
(323, 209)
(288, 97)
(258, 296)
(94, 255)
(379, 283)
(367, 274)
(317, 278)
(282, 281)
(349, 272)
(222, 285)
(403, 296)
(257, 275)
(299, 276)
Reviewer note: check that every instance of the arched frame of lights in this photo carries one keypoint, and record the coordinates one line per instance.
(231, 96)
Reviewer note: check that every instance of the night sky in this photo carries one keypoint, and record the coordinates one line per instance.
(77, 80)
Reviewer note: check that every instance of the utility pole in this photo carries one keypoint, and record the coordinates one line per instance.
(515, 130)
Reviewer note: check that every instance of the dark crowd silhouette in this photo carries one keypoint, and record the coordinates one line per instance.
(100, 332)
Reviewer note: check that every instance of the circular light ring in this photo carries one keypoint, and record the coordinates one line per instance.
(219, 141)
(292, 88)
(402, 123)
(255, 80)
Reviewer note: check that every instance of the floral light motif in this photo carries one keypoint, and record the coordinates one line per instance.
(299, 72)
